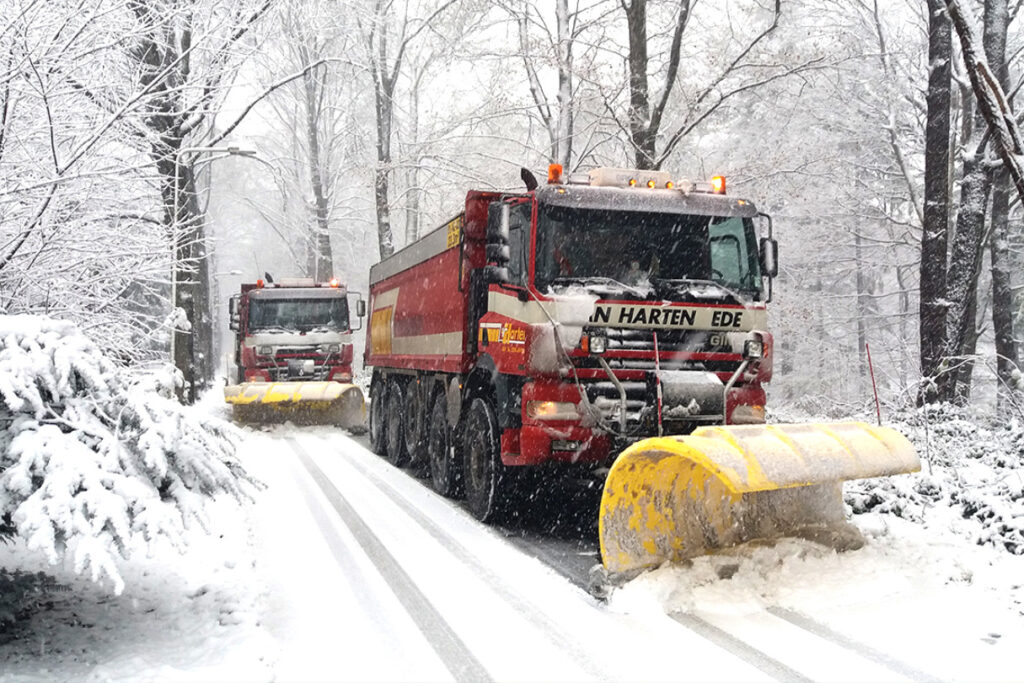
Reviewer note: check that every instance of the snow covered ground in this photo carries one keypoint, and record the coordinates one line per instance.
(346, 569)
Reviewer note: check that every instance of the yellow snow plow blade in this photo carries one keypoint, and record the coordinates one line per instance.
(328, 403)
(672, 498)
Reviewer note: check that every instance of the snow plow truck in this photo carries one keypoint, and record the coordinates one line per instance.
(615, 318)
(293, 354)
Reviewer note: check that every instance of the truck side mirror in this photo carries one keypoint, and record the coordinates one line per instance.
(360, 311)
(234, 321)
(496, 275)
(769, 257)
(497, 251)
(497, 233)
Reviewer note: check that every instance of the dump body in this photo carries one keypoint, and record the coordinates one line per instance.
(293, 354)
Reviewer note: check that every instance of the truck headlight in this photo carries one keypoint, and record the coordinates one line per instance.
(334, 348)
(753, 349)
(265, 350)
(598, 344)
(551, 410)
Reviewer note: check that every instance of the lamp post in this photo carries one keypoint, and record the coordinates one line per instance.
(182, 340)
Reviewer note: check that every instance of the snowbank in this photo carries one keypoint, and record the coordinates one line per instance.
(972, 478)
(91, 461)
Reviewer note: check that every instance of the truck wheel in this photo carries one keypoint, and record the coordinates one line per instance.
(487, 481)
(378, 412)
(395, 420)
(413, 425)
(445, 466)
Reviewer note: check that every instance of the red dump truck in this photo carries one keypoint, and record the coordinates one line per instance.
(293, 353)
(555, 327)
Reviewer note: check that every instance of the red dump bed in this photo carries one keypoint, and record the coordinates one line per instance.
(420, 296)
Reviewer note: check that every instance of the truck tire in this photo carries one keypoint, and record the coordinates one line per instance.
(442, 455)
(412, 425)
(395, 420)
(487, 481)
(378, 412)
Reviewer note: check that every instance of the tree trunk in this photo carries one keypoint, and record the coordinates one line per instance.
(564, 132)
(178, 183)
(384, 109)
(934, 236)
(202, 311)
(323, 259)
(965, 267)
(412, 205)
(862, 314)
(996, 21)
(641, 134)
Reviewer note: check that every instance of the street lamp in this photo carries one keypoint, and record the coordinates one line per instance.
(182, 345)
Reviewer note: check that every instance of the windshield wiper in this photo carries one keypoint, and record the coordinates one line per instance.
(599, 280)
(273, 330)
(710, 283)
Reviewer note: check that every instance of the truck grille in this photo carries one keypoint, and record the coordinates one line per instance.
(293, 351)
(642, 407)
(669, 342)
(621, 338)
(604, 396)
(282, 373)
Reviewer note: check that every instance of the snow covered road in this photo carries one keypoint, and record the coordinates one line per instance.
(373, 576)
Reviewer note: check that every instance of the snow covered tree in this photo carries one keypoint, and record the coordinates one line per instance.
(989, 77)
(93, 463)
(388, 32)
(935, 231)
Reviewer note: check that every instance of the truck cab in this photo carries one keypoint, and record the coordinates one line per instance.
(625, 306)
(294, 330)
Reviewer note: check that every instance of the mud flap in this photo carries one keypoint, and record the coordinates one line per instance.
(672, 498)
(322, 403)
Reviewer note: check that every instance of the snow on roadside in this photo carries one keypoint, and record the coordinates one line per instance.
(193, 616)
(942, 563)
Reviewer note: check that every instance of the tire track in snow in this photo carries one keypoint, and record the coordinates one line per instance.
(748, 653)
(456, 656)
(822, 631)
(520, 603)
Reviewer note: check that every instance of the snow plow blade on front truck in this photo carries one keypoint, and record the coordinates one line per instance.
(676, 497)
(323, 403)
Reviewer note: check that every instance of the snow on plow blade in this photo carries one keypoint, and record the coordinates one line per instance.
(676, 497)
(326, 403)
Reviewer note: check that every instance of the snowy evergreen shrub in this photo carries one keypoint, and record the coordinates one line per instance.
(970, 465)
(92, 463)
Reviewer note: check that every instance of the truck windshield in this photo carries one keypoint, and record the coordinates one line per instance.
(635, 248)
(301, 315)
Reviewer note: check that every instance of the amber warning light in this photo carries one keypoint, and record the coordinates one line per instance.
(718, 184)
(554, 174)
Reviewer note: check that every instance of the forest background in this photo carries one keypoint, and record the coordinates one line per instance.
(127, 182)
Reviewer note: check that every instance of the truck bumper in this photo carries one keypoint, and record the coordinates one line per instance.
(536, 445)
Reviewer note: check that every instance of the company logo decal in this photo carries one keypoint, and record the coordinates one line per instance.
(672, 317)
(454, 232)
(511, 336)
